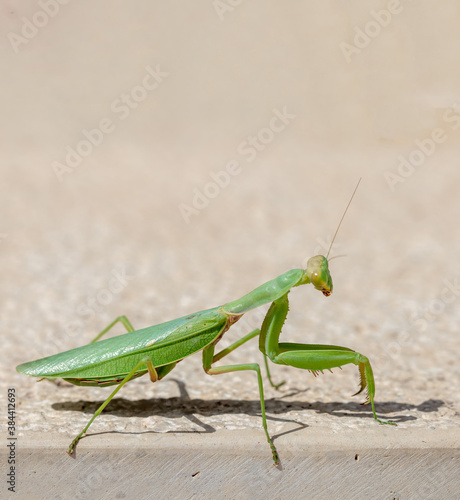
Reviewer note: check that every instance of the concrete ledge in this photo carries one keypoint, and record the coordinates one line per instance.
(237, 464)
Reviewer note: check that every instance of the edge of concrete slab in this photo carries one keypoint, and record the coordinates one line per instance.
(237, 464)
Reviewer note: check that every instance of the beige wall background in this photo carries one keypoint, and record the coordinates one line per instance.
(202, 148)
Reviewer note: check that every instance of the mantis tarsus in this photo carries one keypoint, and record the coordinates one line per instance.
(156, 350)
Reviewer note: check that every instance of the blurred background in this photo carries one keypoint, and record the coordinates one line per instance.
(159, 158)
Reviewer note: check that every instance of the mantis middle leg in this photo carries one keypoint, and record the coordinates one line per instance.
(240, 342)
(209, 358)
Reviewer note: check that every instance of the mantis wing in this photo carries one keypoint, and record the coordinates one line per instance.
(165, 343)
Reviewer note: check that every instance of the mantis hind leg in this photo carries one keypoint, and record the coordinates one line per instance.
(209, 358)
(155, 374)
(129, 327)
(122, 319)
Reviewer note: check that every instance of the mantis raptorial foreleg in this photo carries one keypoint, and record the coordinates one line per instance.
(317, 358)
(312, 357)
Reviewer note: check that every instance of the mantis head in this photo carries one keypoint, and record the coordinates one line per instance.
(318, 274)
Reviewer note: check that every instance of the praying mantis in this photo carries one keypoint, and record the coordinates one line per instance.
(157, 349)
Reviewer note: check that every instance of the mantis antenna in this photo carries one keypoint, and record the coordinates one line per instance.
(337, 256)
(343, 216)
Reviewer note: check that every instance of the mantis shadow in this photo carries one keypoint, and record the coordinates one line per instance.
(175, 407)
(184, 406)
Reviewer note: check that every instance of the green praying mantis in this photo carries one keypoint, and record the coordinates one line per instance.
(157, 349)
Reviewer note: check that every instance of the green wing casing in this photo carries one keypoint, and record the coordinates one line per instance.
(164, 344)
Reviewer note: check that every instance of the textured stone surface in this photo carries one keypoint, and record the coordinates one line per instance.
(231, 464)
(109, 237)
